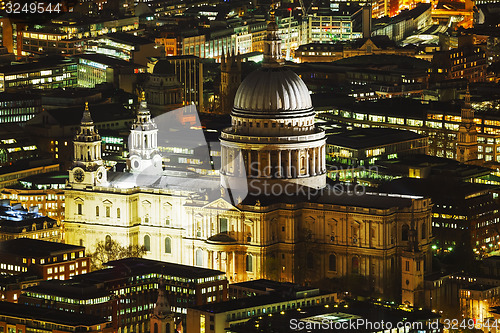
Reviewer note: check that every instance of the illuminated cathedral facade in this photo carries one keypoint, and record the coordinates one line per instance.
(314, 233)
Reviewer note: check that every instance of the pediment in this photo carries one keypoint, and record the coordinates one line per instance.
(107, 202)
(78, 199)
(221, 204)
(146, 203)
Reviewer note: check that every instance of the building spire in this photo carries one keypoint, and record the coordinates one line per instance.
(272, 44)
(86, 118)
(162, 307)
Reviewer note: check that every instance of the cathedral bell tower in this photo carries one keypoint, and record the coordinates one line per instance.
(143, 143)
(467, 134)
(412, 271)
(88, 168)
(230, 79)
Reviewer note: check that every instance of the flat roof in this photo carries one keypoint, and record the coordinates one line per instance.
(35, 248)
(18, 310)
(41, 63)
(107, 60)
(128, 267)
(360, 138)
(128, 38)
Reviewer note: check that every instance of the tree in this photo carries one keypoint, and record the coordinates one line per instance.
(111, 250)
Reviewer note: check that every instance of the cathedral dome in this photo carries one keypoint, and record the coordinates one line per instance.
(272, 91)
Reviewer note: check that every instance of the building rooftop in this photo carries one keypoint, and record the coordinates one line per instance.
(17, 310)
(18, 96)
(127, 38)
(36, 248)
(79, 290)
(106, 60)
(362, 138)
(39, 64)
(100, 113)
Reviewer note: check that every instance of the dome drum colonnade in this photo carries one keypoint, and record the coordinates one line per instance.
(273, 137)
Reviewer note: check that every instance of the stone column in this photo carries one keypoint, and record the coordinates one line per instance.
(308, 168)
(269, 165)
(313, 162)
(289, 164)
(279, 171)
(259, 163)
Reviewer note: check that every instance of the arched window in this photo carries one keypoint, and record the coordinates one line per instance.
(310, 260)
(355, 265)
(249, 263)
(96, 210)
(168, 245)
(404, 232)
(332, 262)
(423, 231)
(199, 258)
(81, 242)
(156, 328)
(118, 213)
(147, 243)
(107, 242)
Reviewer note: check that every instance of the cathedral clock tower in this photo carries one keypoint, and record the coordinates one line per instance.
(143, 143)
(88, 168)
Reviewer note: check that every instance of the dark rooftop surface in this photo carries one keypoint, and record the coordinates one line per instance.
(69, 288)
(267, 285)
(106, 60)
(370, 137)
(18, 96)
(35, 248)
(99, 112)
(373, 313)
(435, 188)
(17, 310)
(479, 287)
(57, 177)
(41, 63)
(332, 195)
(137, 266)
(128, 38)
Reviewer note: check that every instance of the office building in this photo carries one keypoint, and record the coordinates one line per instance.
(44, 73)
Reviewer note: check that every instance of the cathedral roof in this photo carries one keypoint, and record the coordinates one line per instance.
(273, 91)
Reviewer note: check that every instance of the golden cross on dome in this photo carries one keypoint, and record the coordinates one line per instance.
(86, 106)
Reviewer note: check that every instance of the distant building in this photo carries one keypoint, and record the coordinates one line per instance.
(94, 69)
(51, 321)
(442, 122)
(69, 33)
(364, 146)
(337, 26)
(17, 222)
(219, 317)
(163, 89)
(44, 73)
(189, 72)
(49, 260)
(126, 291)
(401, 26)
(18, 108)
(125, 46)
(468, 62)
(16, 144)
(46, 191)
